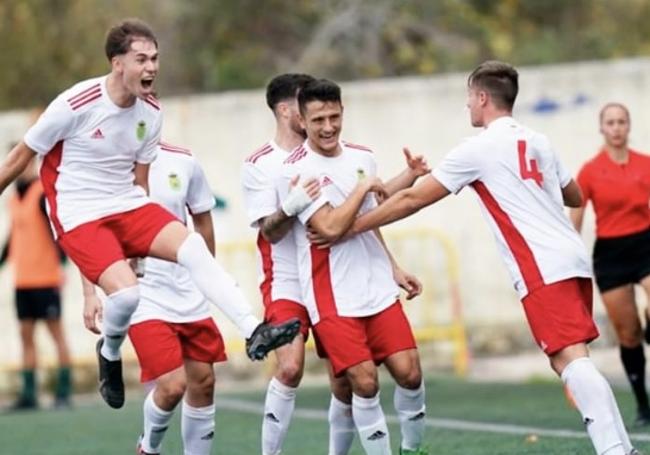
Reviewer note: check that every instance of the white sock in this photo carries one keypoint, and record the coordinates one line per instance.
(342, 427)
(620, 426)
(592, 396)
(156, 421)
(118, 309)
(371, 425)
(278, 409)
(411, 412)
(216, 284)
(197, 428)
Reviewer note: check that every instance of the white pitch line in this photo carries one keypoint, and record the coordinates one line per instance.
(448, 424)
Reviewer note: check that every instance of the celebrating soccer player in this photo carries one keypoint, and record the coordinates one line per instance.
(97, 140)
(522, 187)
(351, 288)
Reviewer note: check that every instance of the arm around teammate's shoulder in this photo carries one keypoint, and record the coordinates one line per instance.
(332, 222)
(402, 204)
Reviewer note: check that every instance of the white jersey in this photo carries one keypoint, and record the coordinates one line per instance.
(353, 278)
(89, 146)
(519, 181)
(167, 293)
(279, 268)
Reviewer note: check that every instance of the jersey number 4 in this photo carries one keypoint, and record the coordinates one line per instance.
(528, 168)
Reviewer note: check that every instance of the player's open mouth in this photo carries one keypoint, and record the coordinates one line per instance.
(146, 83)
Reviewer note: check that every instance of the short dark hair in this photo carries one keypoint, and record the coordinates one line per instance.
(120, 36)
(499, 79)
(285, 87)
(318, 90)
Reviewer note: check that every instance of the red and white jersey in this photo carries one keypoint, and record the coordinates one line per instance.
(89, 146)
(354, 277)
(519, 181)
(177, 182)
(279, 269)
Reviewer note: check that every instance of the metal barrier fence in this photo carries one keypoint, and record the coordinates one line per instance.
(436, 315)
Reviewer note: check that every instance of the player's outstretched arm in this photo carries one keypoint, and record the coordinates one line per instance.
(572, 195)
(275, 226)
(14, 164)
(416, 166)
(331, 223)
(401, 204)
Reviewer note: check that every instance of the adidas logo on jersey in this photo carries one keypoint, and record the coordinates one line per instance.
(326, 181)
(376, 435)
(97, 134)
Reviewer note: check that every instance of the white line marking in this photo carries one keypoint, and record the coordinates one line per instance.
(448, 424)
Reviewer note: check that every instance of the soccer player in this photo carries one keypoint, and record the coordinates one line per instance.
(617, 182)
(175, 339)
(522, 186)
(38, 275)
(97, 140)
(350, 288)
(280, 287)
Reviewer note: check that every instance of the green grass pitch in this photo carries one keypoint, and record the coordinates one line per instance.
(94, 429)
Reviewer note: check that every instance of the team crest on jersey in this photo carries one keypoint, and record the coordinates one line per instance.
(174, 181)
(141, 130)
(361, 174)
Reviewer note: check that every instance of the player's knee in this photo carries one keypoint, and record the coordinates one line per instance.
(290, 373)
(366, 387)
(342, 390)
(410, 379)
(630, 337)
(193, 247)
(172, 392)
(408, 375)
(127, 298)
(205, 385)
(200, 385)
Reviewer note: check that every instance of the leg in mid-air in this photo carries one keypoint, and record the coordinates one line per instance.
(175, 243)
(120, 285)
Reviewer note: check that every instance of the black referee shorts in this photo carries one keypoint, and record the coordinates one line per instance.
(621, 260)
(39, 303)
